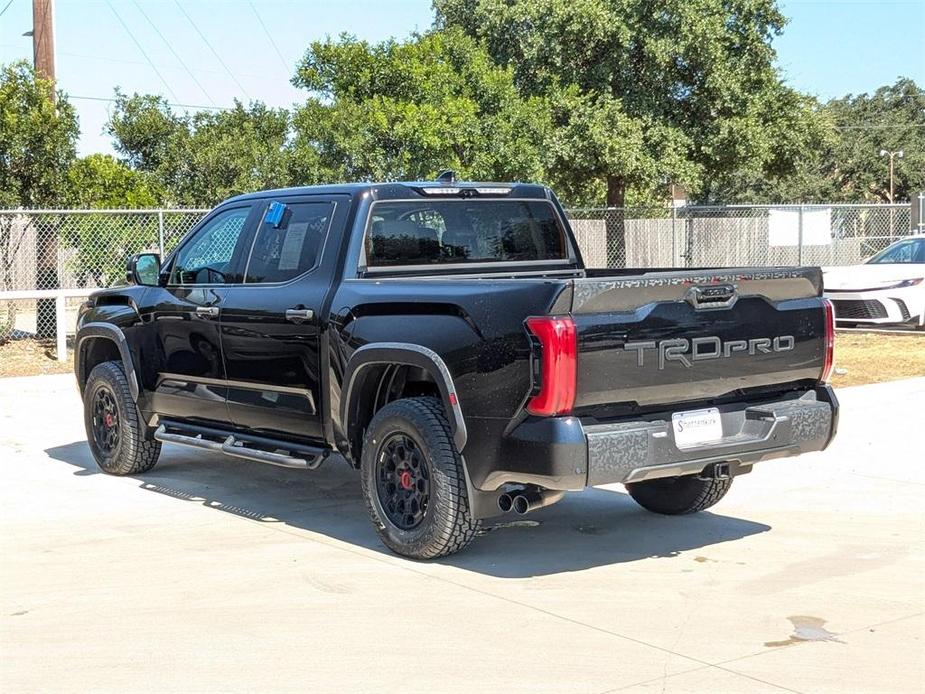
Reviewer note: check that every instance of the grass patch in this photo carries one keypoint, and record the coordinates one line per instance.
(875, 357)
(32, 358)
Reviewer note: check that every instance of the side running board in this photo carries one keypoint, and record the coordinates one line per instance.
(259, 448)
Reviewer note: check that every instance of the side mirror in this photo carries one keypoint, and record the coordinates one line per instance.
(144, 269)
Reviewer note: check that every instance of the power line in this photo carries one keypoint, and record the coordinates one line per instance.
(107, 59)
(141, 50)
(269, 37)
(169, 103)
(175, 55)
(214, 52)
(7, 6)
(872, 126)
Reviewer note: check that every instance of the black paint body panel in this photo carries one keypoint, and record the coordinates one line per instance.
(250, 368)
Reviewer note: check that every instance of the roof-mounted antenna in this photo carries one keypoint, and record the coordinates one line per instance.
(447, 176)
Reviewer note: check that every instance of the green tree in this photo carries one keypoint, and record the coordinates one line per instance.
(649, 92)
(800, 162)
(407, 110)
(104, 241)
(102, 181)
(846, 164)
(891, 119)
(38, 134)
(202, 158)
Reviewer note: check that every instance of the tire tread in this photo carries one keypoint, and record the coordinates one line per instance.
(679, 496)
(454, 526)
(138, 451)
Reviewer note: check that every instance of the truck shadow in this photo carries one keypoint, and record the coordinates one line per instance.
(597, 527)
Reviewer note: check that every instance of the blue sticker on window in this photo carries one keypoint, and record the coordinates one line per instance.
(275, 213)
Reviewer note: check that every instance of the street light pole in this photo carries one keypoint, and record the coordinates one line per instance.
(898, 154)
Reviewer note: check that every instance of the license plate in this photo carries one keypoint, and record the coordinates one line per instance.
(696, 427)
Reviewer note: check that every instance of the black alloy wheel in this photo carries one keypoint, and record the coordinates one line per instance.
(402, 481)
(120, 442)
(414, 480)
(105, 423)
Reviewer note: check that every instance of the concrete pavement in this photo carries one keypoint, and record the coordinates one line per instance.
(214, 574)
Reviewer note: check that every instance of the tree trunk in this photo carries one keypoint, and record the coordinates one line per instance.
(7, 308)
(46, 276)
(614, 222)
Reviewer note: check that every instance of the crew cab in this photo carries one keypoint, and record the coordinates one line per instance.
(445, 339)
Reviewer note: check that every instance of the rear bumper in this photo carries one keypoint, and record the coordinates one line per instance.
(564, 453)
(636, 451)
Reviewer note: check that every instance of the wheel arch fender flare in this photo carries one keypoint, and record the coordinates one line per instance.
(105, 331)
(394, 353)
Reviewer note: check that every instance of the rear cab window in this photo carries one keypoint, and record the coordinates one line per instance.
(408, 233)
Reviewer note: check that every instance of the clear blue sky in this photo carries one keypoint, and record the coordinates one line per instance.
(829, 48)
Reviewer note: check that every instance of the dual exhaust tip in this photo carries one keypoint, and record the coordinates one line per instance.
(522, 501)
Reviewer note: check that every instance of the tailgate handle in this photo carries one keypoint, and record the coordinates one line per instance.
(712, 296)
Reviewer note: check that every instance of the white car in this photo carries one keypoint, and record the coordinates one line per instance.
(888, 288)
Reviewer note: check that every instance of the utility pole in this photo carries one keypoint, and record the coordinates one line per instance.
(46, 241)
(43, 39)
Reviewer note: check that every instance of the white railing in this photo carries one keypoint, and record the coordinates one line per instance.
(49, 253)
(59, 295)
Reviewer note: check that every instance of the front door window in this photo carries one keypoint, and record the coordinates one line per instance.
(206, 258)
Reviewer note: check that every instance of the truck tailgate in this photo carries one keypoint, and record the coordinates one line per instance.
(669, 337)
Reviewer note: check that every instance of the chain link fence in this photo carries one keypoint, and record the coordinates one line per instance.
(46, 250)
(734, 235)
(79, 250)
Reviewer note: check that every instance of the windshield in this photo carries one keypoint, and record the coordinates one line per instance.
(908, 251)
(428, 232)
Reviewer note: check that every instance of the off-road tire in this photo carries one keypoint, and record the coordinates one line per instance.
(675, 496)
(447, 525)
(136, 451)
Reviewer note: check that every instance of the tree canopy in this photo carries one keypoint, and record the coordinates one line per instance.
(102, 181)
(38, 139)
(103, 241)
(608, 101)
(409, 109)
(202, 158)
(891, 119)
(846, 165)
(649, 92)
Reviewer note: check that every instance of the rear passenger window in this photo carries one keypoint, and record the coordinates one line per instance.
(288, 247)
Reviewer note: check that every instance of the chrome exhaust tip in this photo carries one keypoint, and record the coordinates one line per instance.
(535, 499)
(506, 502)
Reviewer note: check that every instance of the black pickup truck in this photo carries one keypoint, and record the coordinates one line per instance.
(445, 339)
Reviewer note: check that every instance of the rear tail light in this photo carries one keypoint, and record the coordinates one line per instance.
(828, 362)
(558, 356)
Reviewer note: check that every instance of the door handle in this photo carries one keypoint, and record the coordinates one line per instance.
(299, 315)
(207, 311)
